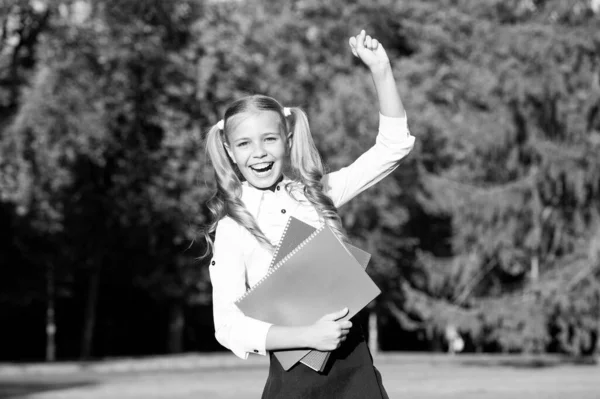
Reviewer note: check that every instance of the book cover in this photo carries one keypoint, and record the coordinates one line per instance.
(319, 276)
(294, 233)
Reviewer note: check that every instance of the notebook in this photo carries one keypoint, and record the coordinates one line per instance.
(294, 233)
(319, 276)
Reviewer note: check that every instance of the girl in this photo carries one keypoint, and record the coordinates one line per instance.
(267, 168)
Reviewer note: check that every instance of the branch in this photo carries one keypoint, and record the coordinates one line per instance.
(3, 32)
(26, 40)
(470, 286)
(401, 317)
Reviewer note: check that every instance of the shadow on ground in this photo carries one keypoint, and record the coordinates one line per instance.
(529, 362)
(19, 389)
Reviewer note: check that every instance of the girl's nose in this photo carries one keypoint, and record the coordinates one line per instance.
(259, 151)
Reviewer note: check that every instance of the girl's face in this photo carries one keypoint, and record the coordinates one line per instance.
(258, 146)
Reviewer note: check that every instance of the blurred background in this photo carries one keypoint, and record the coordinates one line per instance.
(486, 239)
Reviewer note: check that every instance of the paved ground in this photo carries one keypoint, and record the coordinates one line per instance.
(224, 377)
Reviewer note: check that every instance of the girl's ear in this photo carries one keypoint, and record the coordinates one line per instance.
(228, 149)
(290, 140)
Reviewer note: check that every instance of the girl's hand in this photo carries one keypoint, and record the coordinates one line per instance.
(329, 332)
(369, 50)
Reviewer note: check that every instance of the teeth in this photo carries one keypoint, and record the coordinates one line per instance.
(262, 165)
(262, 169)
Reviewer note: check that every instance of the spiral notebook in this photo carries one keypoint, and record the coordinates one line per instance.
(294, 233)
(317, 277)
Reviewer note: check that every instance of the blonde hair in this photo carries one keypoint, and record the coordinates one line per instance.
(306, 168)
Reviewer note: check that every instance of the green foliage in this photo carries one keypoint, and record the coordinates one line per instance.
(513, 161)
(490, 224)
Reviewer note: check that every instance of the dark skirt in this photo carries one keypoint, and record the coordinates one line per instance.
(349, 374)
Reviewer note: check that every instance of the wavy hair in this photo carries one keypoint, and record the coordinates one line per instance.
(305, 168)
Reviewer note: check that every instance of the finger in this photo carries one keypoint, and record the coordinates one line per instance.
(336, 315)
(346, 325)
(352, 43)
(368, 42)
(360, 41)
(375, 44)
(342, 313)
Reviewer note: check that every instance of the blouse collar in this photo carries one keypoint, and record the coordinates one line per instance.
(252, 196)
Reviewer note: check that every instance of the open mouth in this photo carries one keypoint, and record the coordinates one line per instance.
(262, 168)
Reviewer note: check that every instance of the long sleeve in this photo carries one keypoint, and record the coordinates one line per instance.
(392, 144)
(233, 330)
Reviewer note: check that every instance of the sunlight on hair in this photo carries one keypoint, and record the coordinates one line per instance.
(305, 165)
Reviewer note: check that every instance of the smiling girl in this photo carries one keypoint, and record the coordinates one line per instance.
(258, 147)
(267, 168)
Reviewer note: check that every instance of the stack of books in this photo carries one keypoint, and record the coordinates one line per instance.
(312, 273)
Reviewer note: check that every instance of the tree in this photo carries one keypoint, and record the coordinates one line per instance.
(508, 159)
(488, 224)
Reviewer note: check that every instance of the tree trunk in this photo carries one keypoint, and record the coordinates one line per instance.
(373, 333)
(176, 326)
(50, 319)
(535, 269)
(89, 321)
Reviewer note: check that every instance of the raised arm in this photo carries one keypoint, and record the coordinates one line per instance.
(374, 56)
(393, 141)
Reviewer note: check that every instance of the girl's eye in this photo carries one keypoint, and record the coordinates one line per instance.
(242, 144)
(271, 139)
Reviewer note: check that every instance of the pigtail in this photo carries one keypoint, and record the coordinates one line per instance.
(226, 200)
(308, 167)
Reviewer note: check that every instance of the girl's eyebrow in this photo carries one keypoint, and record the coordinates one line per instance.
(261, 135)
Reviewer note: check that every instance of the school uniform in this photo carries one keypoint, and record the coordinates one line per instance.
(239, 262)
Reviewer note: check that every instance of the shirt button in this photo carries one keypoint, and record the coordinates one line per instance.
(278, 188)
(283, 211)
(255, 351)
(212, 263)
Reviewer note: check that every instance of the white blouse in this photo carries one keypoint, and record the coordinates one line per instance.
(239, 261)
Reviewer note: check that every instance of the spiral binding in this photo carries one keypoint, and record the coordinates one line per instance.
(281, 262)
(285, 229)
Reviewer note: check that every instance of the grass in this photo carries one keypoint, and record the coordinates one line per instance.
(405, 376)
